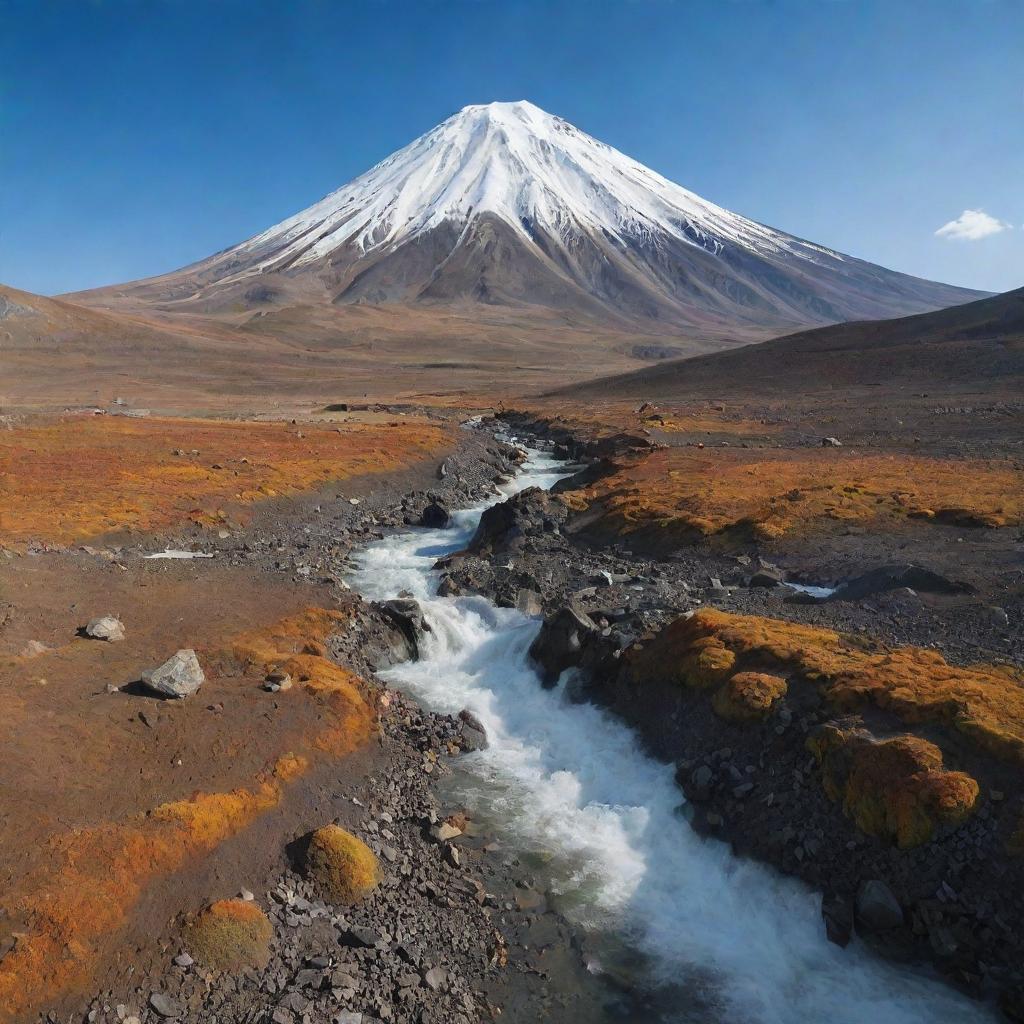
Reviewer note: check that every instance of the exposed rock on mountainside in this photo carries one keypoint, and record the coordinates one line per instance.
(504, 204)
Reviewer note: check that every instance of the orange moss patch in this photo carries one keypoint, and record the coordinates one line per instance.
(341, 864)
(984, 703)
(230, 934)
(893, 789)
(281, 647)
(81, 477)
(683, 494)
(88, 880)
(748, 696)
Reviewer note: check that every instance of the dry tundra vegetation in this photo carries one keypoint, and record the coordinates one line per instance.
(84, 881)
(701, 475)
(82, 476)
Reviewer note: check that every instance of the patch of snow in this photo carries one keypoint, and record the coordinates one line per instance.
(176, 553)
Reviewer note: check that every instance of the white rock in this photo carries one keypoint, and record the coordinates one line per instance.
(107, 627)
(179, 676)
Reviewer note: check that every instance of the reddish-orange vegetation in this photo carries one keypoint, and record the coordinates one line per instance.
(683, 494)
(83, 476)
(295, 646)
(894, 789)
(748, 696)
(230, 934)
(87, 881)
(984, 703)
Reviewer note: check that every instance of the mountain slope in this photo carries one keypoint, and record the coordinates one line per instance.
(504, 204)
(977, 344)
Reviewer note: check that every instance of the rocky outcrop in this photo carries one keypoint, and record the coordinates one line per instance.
(560, 643)
(504, 528)
(893, 577)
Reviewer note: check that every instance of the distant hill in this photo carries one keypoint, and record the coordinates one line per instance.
(977, 343)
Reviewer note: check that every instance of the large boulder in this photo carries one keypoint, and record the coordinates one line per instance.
(178, 677)
(436, 516)
(559, 644)
(406, 614)
(473, 735)
(505, 527)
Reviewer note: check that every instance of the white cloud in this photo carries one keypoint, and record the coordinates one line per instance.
(972, 225)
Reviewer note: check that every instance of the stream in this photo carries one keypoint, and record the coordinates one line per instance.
(705, 936)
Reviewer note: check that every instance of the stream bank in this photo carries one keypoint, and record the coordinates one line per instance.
(757, 788)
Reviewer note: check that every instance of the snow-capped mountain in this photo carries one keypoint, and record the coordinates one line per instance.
(506, 204)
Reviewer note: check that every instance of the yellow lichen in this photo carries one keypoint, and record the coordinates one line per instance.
(984, 703)
(342, 865)
(748, 696)
(230, 934)
(894, 789)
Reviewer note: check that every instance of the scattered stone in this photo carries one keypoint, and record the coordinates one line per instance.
(107, 627)
(436, 978)
(529, 602)
(831, 442)
(877, 907)
(178, 677)
(837, 912)
(445, 832)
(164, 1005)
(360, 937)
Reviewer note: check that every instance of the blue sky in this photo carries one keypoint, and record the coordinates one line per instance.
(136, 137)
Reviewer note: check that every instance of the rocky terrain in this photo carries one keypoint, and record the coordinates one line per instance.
(773, 702)
(455, 928)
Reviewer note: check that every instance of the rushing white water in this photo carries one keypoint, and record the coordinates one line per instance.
(569, 781)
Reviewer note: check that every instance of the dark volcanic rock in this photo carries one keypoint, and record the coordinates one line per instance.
(474, 735)
(878, 910)
(436, 515)
(560, 642)
(893, 577)
(504, 527)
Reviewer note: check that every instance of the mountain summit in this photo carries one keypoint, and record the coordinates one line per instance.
(505, 204)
